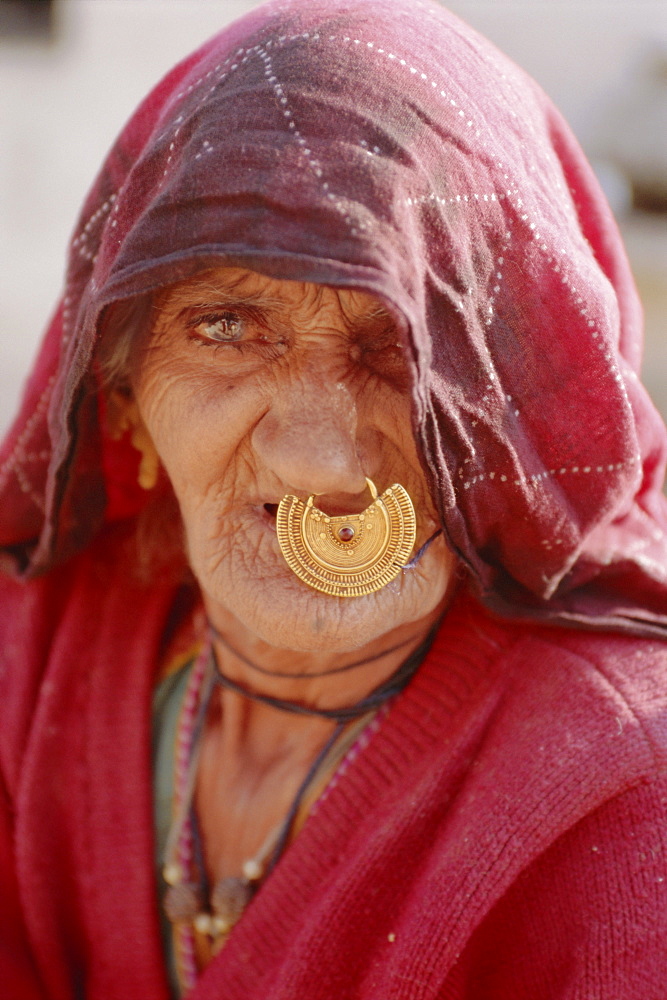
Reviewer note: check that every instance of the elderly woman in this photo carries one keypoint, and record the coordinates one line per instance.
(334, 594)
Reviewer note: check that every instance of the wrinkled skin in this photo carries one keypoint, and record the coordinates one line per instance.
(251, 388)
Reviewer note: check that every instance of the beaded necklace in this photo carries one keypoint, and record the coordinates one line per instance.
(184, 894)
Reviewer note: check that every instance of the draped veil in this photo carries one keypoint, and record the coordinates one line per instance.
(383, 145)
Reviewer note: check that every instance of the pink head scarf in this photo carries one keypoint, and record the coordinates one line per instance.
(383, 145)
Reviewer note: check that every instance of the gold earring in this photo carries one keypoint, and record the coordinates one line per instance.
(352, 555)
(123, 415)
(149, 463)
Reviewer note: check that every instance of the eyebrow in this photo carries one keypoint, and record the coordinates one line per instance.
(181, 302)
(370, 321)
(205, 296)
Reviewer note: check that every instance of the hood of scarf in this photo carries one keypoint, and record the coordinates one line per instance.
(382, 145)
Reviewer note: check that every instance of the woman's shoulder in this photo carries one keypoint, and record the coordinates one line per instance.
(601, 675)
(573, 771)
(614, 685)
(57, 628)
(563, 720)
(576, 719)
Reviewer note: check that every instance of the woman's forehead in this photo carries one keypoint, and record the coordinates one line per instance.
(239, 285)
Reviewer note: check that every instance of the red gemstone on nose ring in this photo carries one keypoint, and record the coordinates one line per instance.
(346, 533)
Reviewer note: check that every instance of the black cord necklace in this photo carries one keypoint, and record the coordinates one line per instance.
(392, 686)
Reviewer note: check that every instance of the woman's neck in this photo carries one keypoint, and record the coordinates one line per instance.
(320, 679)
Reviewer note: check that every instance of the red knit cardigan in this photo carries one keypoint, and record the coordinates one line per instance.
(502, 835)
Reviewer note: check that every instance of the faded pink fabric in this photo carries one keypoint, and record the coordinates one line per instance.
(381, 144)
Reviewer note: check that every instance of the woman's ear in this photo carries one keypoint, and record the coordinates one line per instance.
(123, 415)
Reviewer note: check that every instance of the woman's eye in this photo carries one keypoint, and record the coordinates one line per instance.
(244, 330)
(221, 328)
(387, 360)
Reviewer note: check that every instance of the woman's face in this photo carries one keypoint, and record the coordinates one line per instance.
(251, 388)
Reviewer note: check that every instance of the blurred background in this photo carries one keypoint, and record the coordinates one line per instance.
(72, 71)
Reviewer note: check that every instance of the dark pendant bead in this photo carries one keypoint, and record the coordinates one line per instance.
(230, 898)
(183, 901)
(346, 533)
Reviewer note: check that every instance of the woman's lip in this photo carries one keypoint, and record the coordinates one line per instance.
(422, 545)
(267, 514)
(331, 510)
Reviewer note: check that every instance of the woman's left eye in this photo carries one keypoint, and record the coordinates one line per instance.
(220, 328)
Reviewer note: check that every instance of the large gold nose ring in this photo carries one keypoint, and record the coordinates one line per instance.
(349, 555)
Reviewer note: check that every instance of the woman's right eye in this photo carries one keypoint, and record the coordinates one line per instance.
(220, 328)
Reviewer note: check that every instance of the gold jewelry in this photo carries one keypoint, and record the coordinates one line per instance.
(123, 415)
(352, 555)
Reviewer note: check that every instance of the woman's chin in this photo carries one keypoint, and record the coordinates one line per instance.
(287, 613)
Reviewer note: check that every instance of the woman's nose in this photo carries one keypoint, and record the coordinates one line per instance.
(308, 439)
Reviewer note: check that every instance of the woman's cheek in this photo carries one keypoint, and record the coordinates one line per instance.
(175, 418)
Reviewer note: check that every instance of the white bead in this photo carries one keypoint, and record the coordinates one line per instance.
(252, 870)
(221, 926)
(203, 923)
(172, 874)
